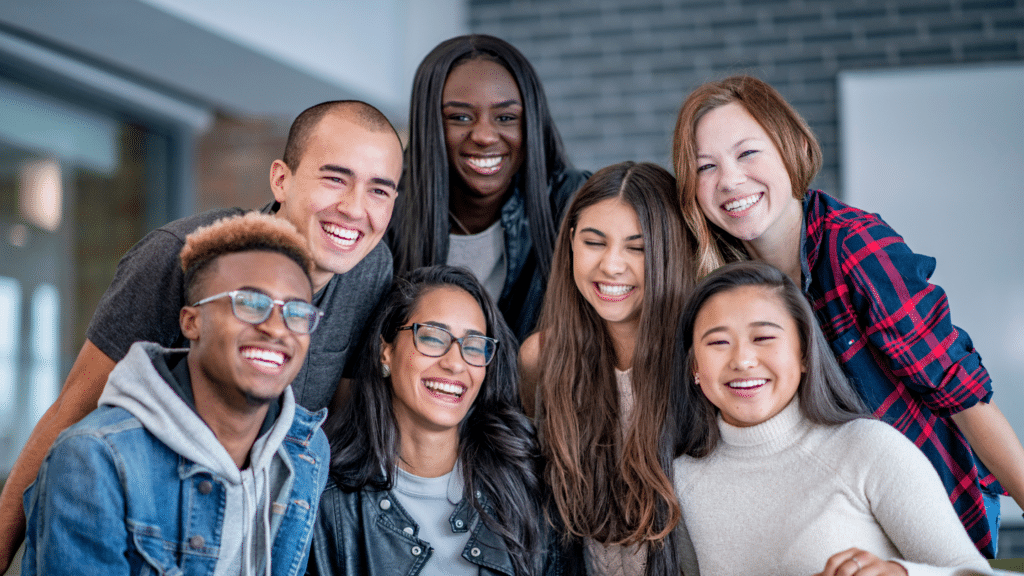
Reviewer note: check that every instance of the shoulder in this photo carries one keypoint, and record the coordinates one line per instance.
(342, 509)
(837, 219)
(529, 351)
(869, 444)
(182, 227)
(103, 421)
(564, 185)
(104, 440)
(372, 272)
(306, 431)
(529, 373)
(169, 238)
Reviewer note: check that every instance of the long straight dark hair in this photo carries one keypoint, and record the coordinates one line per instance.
(606, 485)
(826, 396)
(420, 230)
(497, 449)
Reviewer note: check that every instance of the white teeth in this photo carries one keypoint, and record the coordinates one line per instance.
(742, 203)
(445, 387)
(613, 289)
(747, 383)
(487, 162)
(344, 236)
(269, 357)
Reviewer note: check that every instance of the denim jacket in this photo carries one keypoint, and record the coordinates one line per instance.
(112, 498)
(523, 294)
(368, 532)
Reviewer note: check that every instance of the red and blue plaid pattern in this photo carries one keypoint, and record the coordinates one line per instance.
(891, 331)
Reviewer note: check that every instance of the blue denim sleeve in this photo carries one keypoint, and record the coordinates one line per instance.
(75, 512)
(321, 449)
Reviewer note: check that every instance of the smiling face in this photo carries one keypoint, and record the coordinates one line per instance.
(236, 364)
(483, 127)
(743, 186)
(432, 395)
(608, 260)
(341, 195)
(747, 355)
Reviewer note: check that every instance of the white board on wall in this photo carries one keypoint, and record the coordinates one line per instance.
(939, 153)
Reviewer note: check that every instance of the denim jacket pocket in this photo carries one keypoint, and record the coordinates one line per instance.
(157, 555)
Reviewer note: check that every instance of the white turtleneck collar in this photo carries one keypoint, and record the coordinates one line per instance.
(769, 437)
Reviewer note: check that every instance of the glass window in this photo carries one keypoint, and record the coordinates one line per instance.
(78, 186)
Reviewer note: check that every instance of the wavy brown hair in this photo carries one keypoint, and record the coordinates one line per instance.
(606, 485)
(800, 151)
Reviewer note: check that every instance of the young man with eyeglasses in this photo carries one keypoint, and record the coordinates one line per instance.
(197, 459)
(337, 184)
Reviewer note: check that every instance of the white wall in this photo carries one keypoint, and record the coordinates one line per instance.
(263, 58)
(372, 48)
(939, 153)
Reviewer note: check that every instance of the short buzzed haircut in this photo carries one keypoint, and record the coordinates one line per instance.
(302, 128)
(241, 233)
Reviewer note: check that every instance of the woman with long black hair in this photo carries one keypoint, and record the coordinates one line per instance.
(432, 461)
(487, 178)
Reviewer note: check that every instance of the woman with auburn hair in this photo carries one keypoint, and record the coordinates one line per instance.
(782, 470)
(597, 371)
(744, 159)
(486, 177)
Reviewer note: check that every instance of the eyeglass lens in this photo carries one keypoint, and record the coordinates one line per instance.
(436, 341)
(254, 308)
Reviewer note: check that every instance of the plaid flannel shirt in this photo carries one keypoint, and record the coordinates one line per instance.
(891, 331)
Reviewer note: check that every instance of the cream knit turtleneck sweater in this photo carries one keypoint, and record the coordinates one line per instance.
(785, 495)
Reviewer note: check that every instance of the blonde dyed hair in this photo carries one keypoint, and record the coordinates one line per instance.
(252, 231)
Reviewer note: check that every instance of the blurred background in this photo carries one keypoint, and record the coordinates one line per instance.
(119, 115)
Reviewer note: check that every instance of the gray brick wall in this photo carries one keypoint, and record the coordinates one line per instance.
(616, 71)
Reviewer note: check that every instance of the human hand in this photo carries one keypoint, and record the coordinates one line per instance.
(862, 563)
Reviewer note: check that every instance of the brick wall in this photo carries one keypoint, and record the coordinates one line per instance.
(233, 161)
(616, 71)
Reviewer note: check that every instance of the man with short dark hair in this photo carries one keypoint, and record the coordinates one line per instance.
(197, 459)
(338, 188)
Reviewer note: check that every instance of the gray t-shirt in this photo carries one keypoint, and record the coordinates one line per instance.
(431, 503)
(484, 255)
(143, 301)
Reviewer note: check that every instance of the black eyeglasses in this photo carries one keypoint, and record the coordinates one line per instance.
(255, 307)
(435, 341)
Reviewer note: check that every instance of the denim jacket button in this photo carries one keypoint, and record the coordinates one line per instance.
(408, 530)
(459, 523)
(196, 542)
(385, 504)
(416, 550)
(474, 552)
(205, 487)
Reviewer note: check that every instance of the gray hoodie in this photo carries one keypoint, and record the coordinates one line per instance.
(139, 384)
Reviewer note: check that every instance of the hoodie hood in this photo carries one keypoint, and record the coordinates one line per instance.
(137, 386)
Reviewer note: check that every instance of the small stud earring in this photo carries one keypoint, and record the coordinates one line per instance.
(385, 370)
(696, 379)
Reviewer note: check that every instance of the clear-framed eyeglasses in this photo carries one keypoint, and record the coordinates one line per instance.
(435, 341)
(255, 307)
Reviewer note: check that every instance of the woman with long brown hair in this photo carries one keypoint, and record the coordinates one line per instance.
(597, 371)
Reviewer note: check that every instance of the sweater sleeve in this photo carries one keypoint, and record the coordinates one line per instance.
(909, 502)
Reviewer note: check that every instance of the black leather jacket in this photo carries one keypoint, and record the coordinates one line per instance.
(368, 532)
